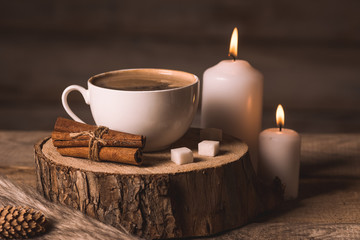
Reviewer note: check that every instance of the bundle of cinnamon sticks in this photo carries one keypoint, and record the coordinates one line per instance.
(76, 139)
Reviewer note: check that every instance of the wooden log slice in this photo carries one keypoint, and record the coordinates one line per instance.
(160, 199)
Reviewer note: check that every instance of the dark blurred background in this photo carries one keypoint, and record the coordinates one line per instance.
(308, 51)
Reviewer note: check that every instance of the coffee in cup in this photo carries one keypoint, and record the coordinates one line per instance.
(157, 103)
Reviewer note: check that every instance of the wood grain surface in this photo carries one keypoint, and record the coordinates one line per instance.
(17, 157)
(328, 206)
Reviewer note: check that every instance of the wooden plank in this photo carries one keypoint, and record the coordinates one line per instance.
(23, 175)
(330, 155)
(16, 147)
(304, 20)
(16, 155)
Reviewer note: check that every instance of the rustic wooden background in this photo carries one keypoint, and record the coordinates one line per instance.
(307, 50)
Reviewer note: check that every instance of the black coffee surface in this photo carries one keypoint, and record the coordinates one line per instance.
(145, 84)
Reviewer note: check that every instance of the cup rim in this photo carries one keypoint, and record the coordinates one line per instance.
(142, 91)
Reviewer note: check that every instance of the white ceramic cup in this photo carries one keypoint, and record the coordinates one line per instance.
(163, 116)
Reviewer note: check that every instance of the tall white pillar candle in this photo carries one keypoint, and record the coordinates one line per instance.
(280, 155)
(232, 99)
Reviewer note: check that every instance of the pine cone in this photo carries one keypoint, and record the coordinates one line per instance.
(20, 222)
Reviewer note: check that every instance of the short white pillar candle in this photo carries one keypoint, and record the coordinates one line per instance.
(181, 155)
(208, 148)
(280, 156)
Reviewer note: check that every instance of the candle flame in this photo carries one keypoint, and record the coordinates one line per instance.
(233, 51)
(280, 116)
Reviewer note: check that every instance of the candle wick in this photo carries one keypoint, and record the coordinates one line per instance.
(280, 127)
(233, 56)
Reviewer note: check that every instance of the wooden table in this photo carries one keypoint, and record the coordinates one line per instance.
(328, 206)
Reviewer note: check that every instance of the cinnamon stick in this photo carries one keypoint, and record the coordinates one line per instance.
(62, 138)
(109, 154)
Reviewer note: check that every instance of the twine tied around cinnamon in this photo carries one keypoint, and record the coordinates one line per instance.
(95, 142)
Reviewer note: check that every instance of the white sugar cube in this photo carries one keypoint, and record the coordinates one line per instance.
(181, 155)
(208, 148)
(211, 134)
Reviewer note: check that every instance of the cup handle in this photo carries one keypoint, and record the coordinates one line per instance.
(84, 93)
